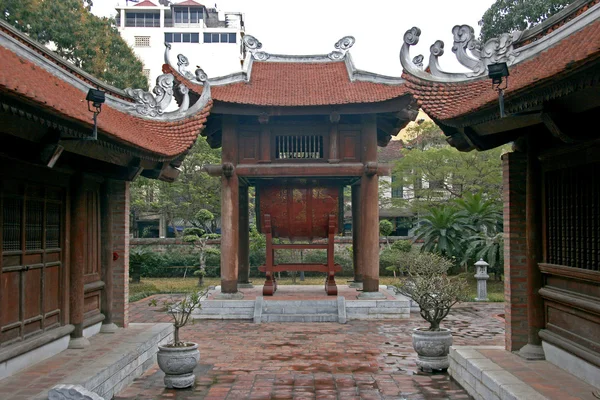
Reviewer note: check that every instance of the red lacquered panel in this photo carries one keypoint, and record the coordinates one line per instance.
(299, 212)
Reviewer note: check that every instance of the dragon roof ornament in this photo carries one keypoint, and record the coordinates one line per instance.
(470, 52)
(155, 105)
(342, 46)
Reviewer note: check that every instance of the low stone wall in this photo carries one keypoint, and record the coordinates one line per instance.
(163, 245)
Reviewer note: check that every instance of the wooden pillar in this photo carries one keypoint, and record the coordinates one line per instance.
(265, 139)
(106, 257)
(244, 240)
(369, 207)
(535, 304)
(229, 208)
(78, 260)
(514, 166)
(356, 260)
(334, 135)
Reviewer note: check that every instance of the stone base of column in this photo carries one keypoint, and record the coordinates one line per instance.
(229, 296)
(358, 285)
(109, 328)
(532, 352)
(371, 296)
(229, 286)
(79, 343)
(247, 285)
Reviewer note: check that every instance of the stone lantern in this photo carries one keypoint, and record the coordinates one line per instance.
(482, 277)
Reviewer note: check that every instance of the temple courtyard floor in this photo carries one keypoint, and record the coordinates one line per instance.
(362, 359)
(357, 360)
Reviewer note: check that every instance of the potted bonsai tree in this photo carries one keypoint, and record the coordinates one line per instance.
(427, 283)
(178, 359)
(199, 238)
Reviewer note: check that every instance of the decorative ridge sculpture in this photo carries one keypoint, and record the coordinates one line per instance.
(469, 51)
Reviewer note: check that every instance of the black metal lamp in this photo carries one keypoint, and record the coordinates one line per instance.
(95, 99)
(496, 72)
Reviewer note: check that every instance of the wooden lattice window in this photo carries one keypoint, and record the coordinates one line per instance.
(572, 198)
(12, 212)
(31, 256)
(298, 147)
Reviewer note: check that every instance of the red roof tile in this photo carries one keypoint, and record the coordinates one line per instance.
(289, 84)
(189, 3)
(145, 3)
(390, 153)
(29, 81)
(445, 101)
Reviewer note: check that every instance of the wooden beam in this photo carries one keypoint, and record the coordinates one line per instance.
(305, 170)
(552, 126)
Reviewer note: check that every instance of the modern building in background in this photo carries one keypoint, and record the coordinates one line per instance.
(211, 39)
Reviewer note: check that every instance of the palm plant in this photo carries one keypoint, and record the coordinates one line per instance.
(441, 231)
(480, 214)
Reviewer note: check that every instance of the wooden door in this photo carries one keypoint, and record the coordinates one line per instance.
(32, 221)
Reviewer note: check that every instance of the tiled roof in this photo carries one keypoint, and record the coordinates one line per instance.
(145, 3)
(189, 3)
(289, 84)
(29, 81)
(390, 153)
(444, 101)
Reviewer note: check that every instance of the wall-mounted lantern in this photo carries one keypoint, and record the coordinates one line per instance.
(496, 72)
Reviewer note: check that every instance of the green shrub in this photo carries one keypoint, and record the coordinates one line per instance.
(402, 245)
(193, 232)
(385, 227)
(390, 260)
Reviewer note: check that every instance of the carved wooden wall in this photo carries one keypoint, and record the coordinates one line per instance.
(571, 266)
(296, 143)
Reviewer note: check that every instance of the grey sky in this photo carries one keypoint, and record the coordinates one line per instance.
(313, 26)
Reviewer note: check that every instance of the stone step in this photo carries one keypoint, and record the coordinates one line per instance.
(300, 303)
(268, 309)
(299, 318)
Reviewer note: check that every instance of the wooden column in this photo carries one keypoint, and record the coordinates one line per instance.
(106, 257)
(229, 208)
(77, 261)
(265, 139)
(356, 260)
(244, 240)
(369, 207)
(334, 134)
(533, 209)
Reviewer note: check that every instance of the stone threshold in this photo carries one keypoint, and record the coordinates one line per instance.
(110, 363)
(492, 373)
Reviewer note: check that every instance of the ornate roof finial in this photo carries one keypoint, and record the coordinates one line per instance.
(342, 46)
(253, 45)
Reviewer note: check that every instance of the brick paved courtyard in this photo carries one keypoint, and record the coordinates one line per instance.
(359, 360)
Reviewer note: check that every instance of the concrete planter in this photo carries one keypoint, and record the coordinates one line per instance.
(178, 364)
(432, 348)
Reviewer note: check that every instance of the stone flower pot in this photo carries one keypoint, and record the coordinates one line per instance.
(432, 348)
(178, 364)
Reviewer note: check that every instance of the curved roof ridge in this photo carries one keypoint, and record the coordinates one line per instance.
(476, 56)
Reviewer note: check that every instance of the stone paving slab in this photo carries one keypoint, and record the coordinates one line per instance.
(358, 360)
